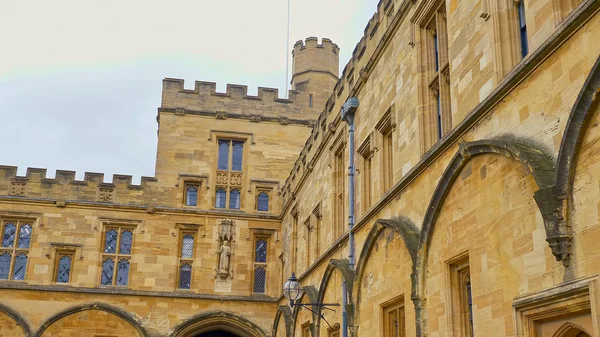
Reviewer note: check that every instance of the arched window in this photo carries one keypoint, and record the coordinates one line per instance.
(236, 156)
(24, 236)
(8, 236)
(223, 155)
(125, 244)
(64, 269)
(260, 265)
(191, 195)
(186, 259)
(263, 202)
(110, 242)
(220, 197)
(234, 199)
(116, 262)
(187, 246)
(14, 251)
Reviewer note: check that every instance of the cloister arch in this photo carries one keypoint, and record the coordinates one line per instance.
(218, 320)
(310, 293)
(93, 306)
(286, 313)
(348, 276)
(20, 321)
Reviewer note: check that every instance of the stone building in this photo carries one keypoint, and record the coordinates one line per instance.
(471, 207)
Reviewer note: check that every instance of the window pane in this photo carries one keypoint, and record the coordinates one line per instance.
(191, 196)
(20, 267)
(24, 236)
(220, 198)
(8, 237)
(108, 267)
(234, 199)
(110, 245)
(4, 265)
(436, 49)
(185, 276)
(125, 244)
(263, 202)
(261, 251)
(64, 269)
(123, 272)
(236, 158)
(187, 246)
(223, 155)
(260, 278)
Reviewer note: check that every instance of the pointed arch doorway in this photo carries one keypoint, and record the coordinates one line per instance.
(217, 333)
(218, 324)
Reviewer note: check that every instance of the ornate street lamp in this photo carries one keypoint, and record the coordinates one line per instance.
(292, 290)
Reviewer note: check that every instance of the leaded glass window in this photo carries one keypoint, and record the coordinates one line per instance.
(20, 267)
(236, 155)
(187, 246)
(263, 202)
(260, 265)
(125, 244)
(223, 155)
(260, 279)
(14, 251)
(63, 274)
(123, 272)
(234, 199)
(5, 259)
(523, 28)
(108, 270)
(185, 276)
(220, 198)
(191, 195)
(116, 262)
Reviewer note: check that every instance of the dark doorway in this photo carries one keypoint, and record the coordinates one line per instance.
(217, 333)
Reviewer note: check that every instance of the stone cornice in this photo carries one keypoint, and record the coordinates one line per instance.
(228, 115)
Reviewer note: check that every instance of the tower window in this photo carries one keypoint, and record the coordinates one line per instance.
(220, 198)
(230, 155)
(116, 256)
(14, 251)
(64, 265)
(191, 194)
(263, 202)
(523, 28)
(260, 265)
(186, 259)
(234, 199)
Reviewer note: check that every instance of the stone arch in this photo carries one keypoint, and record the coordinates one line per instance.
(410, 235)
(575, 129)
(20, 321)
(93, 306)
(286, 313)
(539, 164)
(348, 276)
(312, 294)
(571, 330)
(218, 320)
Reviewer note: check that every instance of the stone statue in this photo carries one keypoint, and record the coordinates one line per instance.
(224, 252)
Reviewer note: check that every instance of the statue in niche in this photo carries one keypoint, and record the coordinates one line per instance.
(224, 253)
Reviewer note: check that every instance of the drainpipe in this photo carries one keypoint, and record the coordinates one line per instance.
(347, 114)
(348, 111)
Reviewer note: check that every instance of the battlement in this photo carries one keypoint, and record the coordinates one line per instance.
(312, 43)
(63, 177)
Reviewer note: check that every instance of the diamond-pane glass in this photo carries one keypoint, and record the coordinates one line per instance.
(185, 276)
(4, 265)
(125, 243)
(234, 199)
(237, 154)
(24, 236)
(8, 237)
(110, 245)
(220, 198)
(260, 279)
(108, 268)
(191, 195)
(20, 267)
(187, 246)
(223, 155)
(64, 269)
(261, 250)
(123, 272)
(263, 201)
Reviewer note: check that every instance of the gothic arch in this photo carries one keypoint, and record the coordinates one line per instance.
(312, 294)
(286, 313)
(571, 330)
(348, 276)
(18, 319)
(577, 125)
(93, 306)
(218, 320)
(539, 164)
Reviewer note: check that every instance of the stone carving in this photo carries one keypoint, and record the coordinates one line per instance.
(18, 188)
(225, 237)
(255, 118)
(284, 120)
(222, 177)
(236, 179)
(180, 111)
(105, 194)
(221, 115)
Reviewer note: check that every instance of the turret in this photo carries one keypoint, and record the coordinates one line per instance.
(315, 70)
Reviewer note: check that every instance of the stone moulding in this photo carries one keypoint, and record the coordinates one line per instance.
(211, 320)
(348, 276)
(18, 319)
(285, 312)
(312, 294)
(94, 306)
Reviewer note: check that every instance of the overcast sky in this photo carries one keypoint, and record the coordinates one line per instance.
(80, 80)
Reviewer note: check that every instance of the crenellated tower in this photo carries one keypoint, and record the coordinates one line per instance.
(315, 70)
